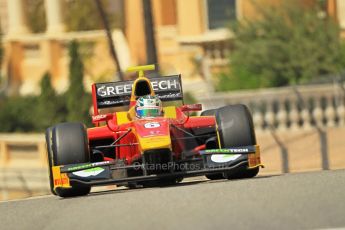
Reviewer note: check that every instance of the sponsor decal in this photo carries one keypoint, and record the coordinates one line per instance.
(157, 132)
(119, 101)
(116, 89)
(60, 181)
(112, 94)
(84, 166)
(241, 150)
(98, 117)
(254, 160)
(89, 172)
(102, 117)
(223, 158)
(161, 85)
(151, 125)
(100, 163)
(169, 96)
(79, 167)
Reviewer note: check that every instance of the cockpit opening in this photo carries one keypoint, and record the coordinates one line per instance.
(142, 88)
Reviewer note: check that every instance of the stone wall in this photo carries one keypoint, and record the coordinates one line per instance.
(288, 108)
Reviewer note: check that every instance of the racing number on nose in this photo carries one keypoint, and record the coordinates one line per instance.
(151, 125)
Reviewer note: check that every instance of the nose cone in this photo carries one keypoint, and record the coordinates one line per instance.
(153, 134)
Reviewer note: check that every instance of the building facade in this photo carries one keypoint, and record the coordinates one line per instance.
(191, 38)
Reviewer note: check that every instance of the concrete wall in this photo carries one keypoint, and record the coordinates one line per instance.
(304, 150)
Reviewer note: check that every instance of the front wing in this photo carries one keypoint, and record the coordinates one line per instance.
(111, 172)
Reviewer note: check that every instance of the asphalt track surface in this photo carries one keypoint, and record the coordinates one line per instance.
(294, 201)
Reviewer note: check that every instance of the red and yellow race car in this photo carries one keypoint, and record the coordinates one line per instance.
(157, 149)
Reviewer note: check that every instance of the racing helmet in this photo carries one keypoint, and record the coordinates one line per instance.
(148, 106)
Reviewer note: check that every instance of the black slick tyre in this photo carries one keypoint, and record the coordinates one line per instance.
(235, 128)
(70, 146)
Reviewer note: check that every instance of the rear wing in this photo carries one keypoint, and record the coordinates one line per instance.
(114, 94)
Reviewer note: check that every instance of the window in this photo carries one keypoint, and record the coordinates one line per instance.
(220, 13)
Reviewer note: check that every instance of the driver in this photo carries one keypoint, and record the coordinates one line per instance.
(148, 106)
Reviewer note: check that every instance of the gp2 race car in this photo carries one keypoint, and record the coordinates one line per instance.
(136, 152)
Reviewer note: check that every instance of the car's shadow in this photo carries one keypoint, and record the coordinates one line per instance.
(124, 189)
(202, 181)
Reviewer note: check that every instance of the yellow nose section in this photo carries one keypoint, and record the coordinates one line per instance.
(157, 142)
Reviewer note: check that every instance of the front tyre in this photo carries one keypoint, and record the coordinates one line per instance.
(48, 136)
(70, 146)
(235, 128)
(212, 176)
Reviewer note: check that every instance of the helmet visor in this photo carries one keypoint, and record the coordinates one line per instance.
(148, 111)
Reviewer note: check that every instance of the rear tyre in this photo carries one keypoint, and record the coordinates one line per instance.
(210, 112)
(48, 136)
(213, 176)
(70, 146)
(235, 128)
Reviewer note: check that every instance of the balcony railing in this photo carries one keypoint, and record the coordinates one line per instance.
(302, 107)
